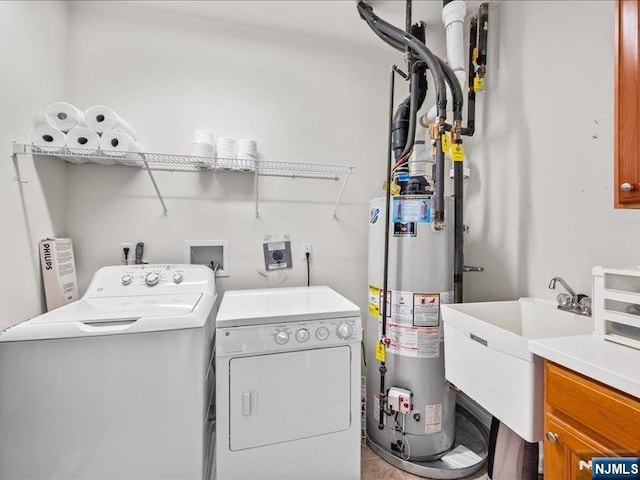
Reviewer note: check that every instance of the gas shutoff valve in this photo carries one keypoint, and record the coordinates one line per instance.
(399, 400)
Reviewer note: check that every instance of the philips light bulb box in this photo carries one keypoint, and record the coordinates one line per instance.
(58, 272)
(623, 468)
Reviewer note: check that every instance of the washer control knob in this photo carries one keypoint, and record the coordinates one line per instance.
(302, 335)
(344, 330)
(322, 333)
(281, 337)
(152, 279)
(127, 279)
(177, 277)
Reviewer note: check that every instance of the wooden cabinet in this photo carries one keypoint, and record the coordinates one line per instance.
(627, 106)
(585, 419)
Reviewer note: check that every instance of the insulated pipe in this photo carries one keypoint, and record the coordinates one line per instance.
(419, 48)
(456, 90)
(408, 109)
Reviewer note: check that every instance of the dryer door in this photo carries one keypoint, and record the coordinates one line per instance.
(289, 396)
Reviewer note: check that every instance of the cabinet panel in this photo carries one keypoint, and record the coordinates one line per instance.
(607, 413)
(568, 457)
(627, 105)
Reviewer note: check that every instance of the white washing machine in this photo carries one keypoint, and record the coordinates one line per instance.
(117, 385)
(288, 385)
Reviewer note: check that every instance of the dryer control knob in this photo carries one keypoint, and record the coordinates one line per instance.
(177, 278)
(281, 337)
(302, 335)
(344, 330)
(127, 279)
(152, 279)
(322, 333)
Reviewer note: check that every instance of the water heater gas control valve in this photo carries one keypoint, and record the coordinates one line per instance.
(399, 400)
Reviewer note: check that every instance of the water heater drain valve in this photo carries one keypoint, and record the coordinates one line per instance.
(399, 400)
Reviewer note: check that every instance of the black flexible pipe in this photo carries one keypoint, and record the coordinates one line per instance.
(406, 113)
(456, 90)
(419, 48)
(382, 368)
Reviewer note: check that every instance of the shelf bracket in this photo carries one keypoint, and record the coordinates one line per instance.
(255, 187)
(15, 149)
(344, 185)
(155, 185)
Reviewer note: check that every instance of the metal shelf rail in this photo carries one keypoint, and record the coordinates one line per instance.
(166, 162)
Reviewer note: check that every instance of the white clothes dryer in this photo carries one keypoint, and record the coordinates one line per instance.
(288, 385)
(118, 385)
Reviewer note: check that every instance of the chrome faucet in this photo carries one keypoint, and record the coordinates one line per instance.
(573, 302)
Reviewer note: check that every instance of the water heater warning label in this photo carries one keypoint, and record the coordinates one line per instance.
(433, 418)
(411, 210)
(376, 409)
(374, 301)
(410, 341)
(426, 309)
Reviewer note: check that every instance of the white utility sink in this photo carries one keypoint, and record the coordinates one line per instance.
(487, 356)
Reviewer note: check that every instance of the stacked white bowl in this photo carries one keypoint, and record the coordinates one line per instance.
(226, 152)
(203, 147)
(247, 154)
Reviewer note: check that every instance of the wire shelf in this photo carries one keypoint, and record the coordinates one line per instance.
(189, 163)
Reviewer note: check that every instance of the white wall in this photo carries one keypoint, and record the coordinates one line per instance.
(541, 202)
(314, 100)
(33, 57)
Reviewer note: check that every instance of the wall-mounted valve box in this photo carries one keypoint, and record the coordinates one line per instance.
(209, 253)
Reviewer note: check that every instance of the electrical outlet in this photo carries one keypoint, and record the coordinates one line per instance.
(132, 253)
(307, 247)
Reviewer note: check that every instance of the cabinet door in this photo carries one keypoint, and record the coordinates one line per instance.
(567, 456)
(627, 106)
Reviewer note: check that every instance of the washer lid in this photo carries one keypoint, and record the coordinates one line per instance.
(113, 308)
(278, 305)
(114, 315)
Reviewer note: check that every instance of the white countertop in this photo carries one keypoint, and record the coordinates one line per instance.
(606, 362)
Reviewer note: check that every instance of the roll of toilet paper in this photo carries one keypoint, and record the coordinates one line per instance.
(61, 115)
(82, 141)
(48, 139)
(101, 119)
(119, 145)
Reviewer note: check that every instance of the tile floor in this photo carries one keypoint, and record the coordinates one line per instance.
(374, 468)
